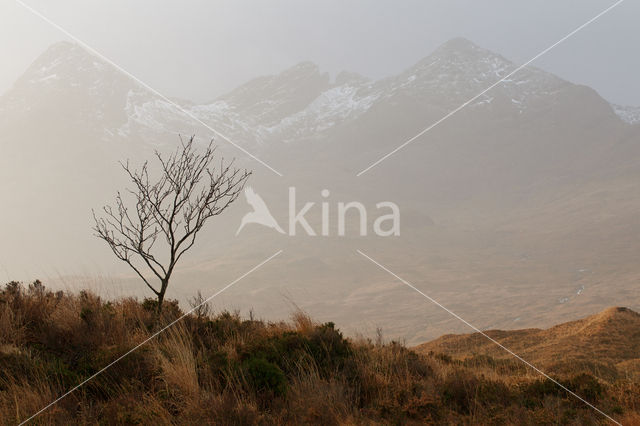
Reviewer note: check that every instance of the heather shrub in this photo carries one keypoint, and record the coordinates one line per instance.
(224, 369)
(265, 378)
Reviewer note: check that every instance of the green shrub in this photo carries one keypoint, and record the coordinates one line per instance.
(586, 386)
(265, 376)
(86, 314)
(328, 348)
(252, 372)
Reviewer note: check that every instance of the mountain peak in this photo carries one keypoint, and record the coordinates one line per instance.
(66, 62)
(458, 44)
(61, 52)
(63, 45)
(68, 74)
(460, 55)
(271, 98)
(464, 51)
(304, 66)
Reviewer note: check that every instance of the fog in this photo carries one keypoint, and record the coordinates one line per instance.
(201, 49)
(520, 206)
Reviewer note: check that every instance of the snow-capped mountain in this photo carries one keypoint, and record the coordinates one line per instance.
(534, 164)
(460, 70)
(70, 107)
(74, 80)
(299, 103)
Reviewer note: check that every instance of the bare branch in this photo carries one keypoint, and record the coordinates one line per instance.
(175, 206)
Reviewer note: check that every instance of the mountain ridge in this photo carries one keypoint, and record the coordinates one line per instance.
(517, 194)
(300, 102)
(610, 337)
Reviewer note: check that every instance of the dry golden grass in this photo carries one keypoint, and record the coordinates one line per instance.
(223, 369)
(606, 344)
(177, 365)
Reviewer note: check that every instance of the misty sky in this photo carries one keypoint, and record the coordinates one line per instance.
(198, 49)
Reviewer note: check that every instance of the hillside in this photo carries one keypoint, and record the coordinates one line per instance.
(606, 344)
(227, 370)
(532, 186)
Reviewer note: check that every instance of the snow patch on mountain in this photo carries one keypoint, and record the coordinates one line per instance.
(334, 106)
(458, 71)
(299, 103)
(628, 114)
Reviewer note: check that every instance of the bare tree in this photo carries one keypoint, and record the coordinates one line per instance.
(170, 210)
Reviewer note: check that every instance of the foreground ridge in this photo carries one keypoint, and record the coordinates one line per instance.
(227, 369)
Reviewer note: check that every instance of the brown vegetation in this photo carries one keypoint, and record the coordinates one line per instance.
(222, 369)
(606, 345)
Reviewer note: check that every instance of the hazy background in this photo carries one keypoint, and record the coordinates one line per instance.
(520, 211)
(201, 49)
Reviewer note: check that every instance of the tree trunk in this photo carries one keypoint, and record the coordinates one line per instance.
(163, 289)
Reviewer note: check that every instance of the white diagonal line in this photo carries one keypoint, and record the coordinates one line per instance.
(476, 329)
(143, 84)
(93, 376)
(590, 21)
